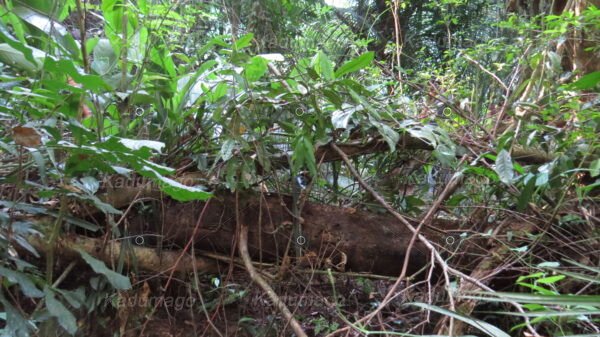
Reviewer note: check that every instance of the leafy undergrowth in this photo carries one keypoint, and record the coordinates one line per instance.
(478, 134)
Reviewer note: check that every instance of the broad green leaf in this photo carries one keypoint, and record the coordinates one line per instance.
(53, 9)
(243, 41)
(545, 171)
(164, 60)
(323, 66)
(504, 167)
(16, 324)
(541, 179)
(25, 50)
(445, 153)
(227, 149)
(104, 207)
(90, 184)
(173, 188)
(219, 91)
(333, 97)
(341, 118)
(135, 144)
(65, 66)
(24, 207)
(189, 87)
(40, 162)
(355, 64)
(10, 148)
(588, 81)
(255, 69)
(117, 280)
(303, 156)
(15, 58)
(105, 58)
(24, 281)
(60, 312)
(390, 135)
(50, 27)
(487, 328)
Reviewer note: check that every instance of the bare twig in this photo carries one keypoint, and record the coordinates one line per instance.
(447, 270)
(255, 276)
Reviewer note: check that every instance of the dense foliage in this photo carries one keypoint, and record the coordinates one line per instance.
(230, 88)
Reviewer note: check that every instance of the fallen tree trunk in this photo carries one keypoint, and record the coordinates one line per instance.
(344, 238)
(527, 156)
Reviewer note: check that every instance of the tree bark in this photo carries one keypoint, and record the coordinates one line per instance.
(341, 238)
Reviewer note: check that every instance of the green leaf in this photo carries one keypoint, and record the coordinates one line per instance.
(341, 118)
(323, 66)
(595, 168)
(588, 81)
(304, 155)
(50, 27)
(189, 88)
(173, 188)
(504, 167)
(105, 58)
(255, 69)
(355, 64)
(91, 82)
(550, 279)
(16, 324)
(50, 8)
(63, 315)
(38, 157)
(15, 58)
(243, 41)
(526, 193)
(218, 92)
(227, 149)
(135, 144)
(26, 285)
(487, 328)
(117, 280)
(548, 264)
(390, 135)
(16, 44)
(544, 175)
(310, 156)
(561, 300)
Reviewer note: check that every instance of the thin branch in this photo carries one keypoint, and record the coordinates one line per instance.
(446, 269)
(255, 276)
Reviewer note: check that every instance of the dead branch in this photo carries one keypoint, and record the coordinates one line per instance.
(447, 270)
(255, 276)
(142, 257)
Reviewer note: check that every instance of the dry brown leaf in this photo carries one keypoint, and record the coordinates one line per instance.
(26, 136)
